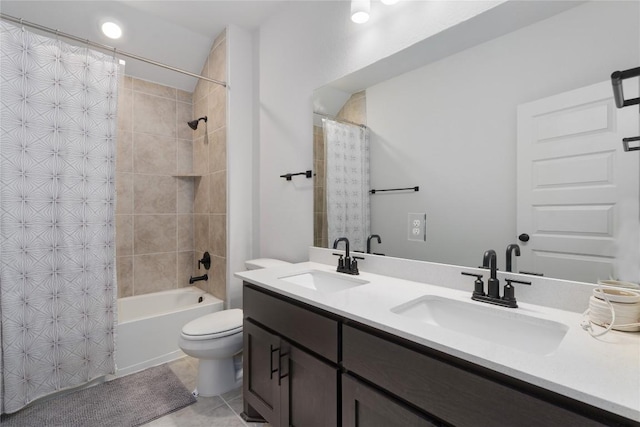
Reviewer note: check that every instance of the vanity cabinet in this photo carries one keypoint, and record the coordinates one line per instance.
(307, 367)
(284, 383)
(363, 406)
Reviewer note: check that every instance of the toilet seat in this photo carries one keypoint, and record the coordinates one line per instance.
(215, 325)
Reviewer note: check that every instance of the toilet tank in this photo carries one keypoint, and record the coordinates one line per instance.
(256, 264)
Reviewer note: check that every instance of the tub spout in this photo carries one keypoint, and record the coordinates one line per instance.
(193, 280)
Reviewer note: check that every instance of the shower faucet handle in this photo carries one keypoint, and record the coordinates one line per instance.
(205, 261)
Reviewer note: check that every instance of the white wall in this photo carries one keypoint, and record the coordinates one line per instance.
(305, 46)
(239, 154)
(450, 127)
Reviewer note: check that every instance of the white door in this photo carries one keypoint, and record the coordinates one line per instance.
(578, 190)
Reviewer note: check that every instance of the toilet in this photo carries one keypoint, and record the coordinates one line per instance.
(214, 339)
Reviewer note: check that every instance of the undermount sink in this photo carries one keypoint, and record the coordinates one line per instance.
(323, 281)
(506, 327)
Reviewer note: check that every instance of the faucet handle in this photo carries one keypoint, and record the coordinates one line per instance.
(478, 284)
(509, 292)
(353, 269)
(340, 263)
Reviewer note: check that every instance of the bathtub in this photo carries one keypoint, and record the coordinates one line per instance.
(149, 326)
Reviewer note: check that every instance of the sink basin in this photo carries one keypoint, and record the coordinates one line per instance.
(499, 326)
(323, 281)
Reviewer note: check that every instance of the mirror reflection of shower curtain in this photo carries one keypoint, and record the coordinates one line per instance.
(347, 182)
(57, 227)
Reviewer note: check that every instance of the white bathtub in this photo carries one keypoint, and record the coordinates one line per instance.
(149, 326)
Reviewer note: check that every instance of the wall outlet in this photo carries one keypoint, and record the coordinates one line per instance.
(418, 227)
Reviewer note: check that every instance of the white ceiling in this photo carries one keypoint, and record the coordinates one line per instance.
(177, 33)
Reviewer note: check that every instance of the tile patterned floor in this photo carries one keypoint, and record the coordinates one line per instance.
(217, 411)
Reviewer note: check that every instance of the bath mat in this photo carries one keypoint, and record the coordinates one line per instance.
(124, 402)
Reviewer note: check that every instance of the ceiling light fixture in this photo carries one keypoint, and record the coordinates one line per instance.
(111, 30)
(360, 11)
(389, 2)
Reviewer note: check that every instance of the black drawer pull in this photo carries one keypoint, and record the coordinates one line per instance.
(271, 370)
(280, 376)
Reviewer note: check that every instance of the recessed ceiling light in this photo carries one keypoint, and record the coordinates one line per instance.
(389, 2)
(360, 11)
(111, 30)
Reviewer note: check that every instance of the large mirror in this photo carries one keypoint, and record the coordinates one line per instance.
(450, 114)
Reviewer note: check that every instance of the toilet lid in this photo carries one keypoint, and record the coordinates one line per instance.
(218, 324)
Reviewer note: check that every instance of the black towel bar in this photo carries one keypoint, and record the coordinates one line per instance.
(288, 176)
(416, 188)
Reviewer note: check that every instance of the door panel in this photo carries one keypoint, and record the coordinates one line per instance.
(578, 191)
(364, 407)
(311, 391)
(260, 389)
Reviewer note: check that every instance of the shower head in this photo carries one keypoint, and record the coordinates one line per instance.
(193, 124)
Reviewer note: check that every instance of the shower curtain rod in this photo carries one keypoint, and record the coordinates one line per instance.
(106, 47)
(339, 119)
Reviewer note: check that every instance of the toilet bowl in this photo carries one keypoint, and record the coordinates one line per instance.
(214, 339)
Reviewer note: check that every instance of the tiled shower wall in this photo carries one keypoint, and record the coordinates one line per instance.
(210, 161)
(164, 222)
(154, 209)
(354, 110)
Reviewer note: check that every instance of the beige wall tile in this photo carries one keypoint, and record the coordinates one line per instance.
(201, 155)
(218, 277)
(154, 194)
(128, 82)
(200, 110)
(185, 195)
(154, 115)
(184, 156)
(154, 154)
(185, 268)
(201, 233)
(218, 234)
(218, 63)
(218, 184)
(124, 155)
(124, 235)
(184, 96)
(218, 150)
(154, 233)
(217, 108)
(124, 267)
(125, 110)
(124, 193)
(201, 194)
(219, 38)
(155, 272)
(154, 89)
(185, 233)
(184, 114)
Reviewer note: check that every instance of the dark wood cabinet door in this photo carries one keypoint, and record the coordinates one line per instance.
(309, 390)
(363, 406)
(260, 366)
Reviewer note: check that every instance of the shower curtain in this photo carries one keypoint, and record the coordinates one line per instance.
(57, 228)
(347, 182)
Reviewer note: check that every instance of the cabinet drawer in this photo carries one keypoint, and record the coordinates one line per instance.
(458, 396)
(310, 330)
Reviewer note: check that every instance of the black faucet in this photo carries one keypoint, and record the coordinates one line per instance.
(192, 279)
(369, 241)
(346, 265)
(511, 248)
(490, 260)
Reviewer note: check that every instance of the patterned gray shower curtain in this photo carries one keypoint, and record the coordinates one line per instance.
(347, 182)
(57, 229)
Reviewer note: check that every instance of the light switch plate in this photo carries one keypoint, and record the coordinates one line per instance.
(417, 227)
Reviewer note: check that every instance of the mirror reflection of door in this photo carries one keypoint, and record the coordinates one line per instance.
(578, 190)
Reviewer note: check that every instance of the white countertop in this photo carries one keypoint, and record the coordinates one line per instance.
(603, 372)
